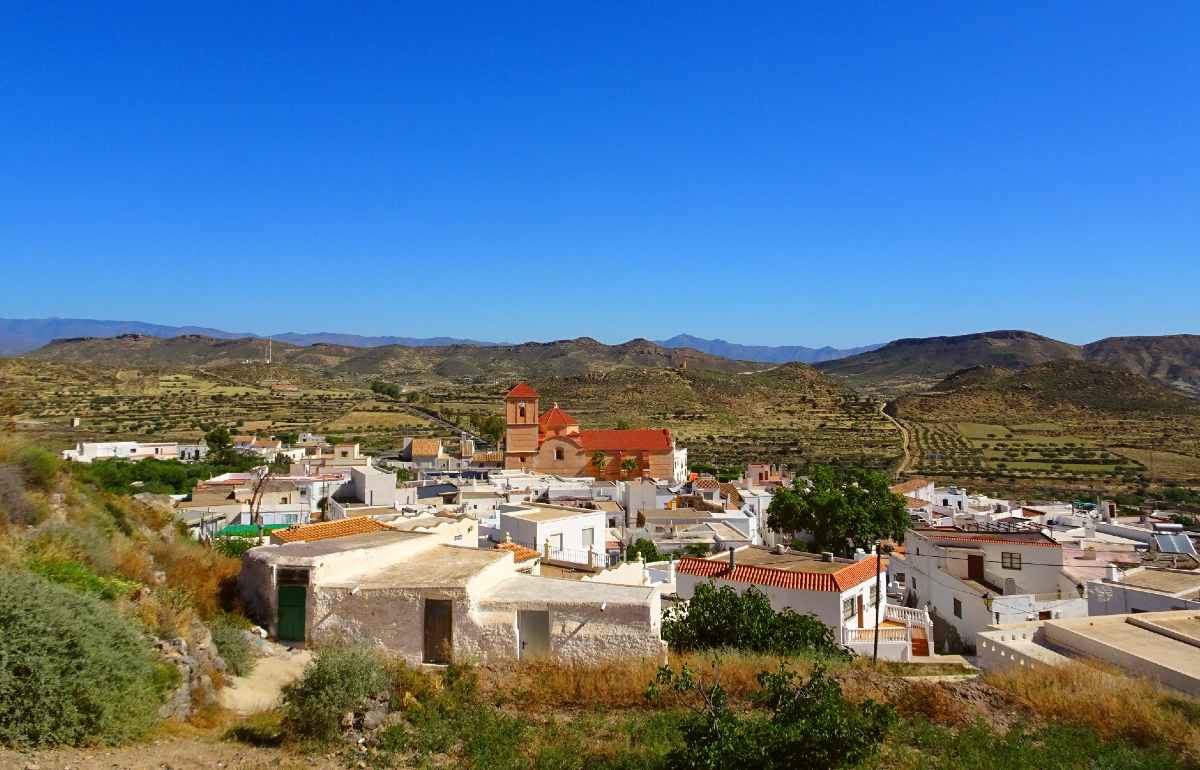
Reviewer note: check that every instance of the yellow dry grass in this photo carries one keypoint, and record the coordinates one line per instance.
(1113, 704)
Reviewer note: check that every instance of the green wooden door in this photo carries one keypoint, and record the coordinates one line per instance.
(290, 619)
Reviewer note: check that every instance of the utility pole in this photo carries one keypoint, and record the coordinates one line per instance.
(878, 600)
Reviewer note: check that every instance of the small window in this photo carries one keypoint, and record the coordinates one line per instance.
(558, 453)
(589, 537)
(957, 608)
(848, 608)
(874, 595)
(1010, 560)
(521, 410)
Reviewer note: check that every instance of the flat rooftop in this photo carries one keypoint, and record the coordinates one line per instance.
(445, 566)
(544, 513)
(1166, 581)
(524, 589)
(1168, 639)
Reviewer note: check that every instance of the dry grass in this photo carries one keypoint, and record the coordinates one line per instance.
(618, 684)
(1114, 705)
(204, 575)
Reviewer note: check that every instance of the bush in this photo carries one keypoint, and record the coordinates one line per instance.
(81, 578)
(235, 648)
(39, 467)
(721, 617)
(72, 671)
(339, 680)
(233, 547)
(15, 505)
(800, 725)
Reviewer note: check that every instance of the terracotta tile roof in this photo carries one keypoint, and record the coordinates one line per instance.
(912, 485)
(522, 390)
(326, 530)
(556, 418)
(520, 553)
(838, 581)
(425, 447)
(706, 484)
(1041, 541)
(731, 492)
(916, 502)
(636, 440)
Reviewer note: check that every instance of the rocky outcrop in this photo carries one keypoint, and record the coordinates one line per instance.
(200, 668)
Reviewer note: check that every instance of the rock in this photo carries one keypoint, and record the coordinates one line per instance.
(374, 718)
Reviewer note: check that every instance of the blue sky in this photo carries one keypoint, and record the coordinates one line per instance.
(776, 173)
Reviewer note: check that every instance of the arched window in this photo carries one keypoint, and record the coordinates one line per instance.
(521, 410)
(558, 453)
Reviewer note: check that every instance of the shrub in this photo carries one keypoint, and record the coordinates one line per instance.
(800, 724)
(721, 617)
(233, 547)
(15, 505)
(38, 466)
(205, 576)
(72, 671)
(79, 577)
(339, 680)
(235, 648)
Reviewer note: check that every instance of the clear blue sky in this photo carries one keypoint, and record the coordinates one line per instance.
(779, 173)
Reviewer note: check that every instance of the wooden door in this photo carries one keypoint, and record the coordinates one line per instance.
(861, 624)
(289, 619)
(439, 638)
(975, 567)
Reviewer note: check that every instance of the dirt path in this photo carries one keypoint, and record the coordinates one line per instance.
(906, 461)
(173, 753)
(260, 691)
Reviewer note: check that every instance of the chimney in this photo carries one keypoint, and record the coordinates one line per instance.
(778, 548)
(859, 554)
(826, 555)
(1112, 574)
(671, 569)
(732, 558)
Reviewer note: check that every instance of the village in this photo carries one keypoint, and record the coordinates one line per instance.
(570, 544)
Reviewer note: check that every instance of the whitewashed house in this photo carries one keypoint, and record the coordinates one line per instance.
(559, 532)
(841, 593)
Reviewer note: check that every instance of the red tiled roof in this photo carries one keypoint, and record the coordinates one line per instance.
(840, 580)
(556, 418)
(636, 440)
(520, 553)
(991, 537)
(522, 390)
(706, 484)
(326, 530)
(916, 502)
(912, 485)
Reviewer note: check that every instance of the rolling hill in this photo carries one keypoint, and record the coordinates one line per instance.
(910, 365)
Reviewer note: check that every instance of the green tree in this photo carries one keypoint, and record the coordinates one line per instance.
(492, 428)
(599, 461)
(220, 443)
(645, 548)
(629, 465)
(843, 509)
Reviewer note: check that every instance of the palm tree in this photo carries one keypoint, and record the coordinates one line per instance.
(629, 465)
(599, 460)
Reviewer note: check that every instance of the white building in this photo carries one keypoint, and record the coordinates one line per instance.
(416, 596)
(841, 593)
(90, 451)
(560, 532)
(971, 580)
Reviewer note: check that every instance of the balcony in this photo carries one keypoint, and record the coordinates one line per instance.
(904, 633)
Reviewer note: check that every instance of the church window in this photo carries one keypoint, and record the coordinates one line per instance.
(558, 453)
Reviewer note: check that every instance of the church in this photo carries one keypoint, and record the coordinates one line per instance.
(553, 443)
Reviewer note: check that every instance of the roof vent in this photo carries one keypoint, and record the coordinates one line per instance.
(827, 556)
(732, 558)
(779, 548)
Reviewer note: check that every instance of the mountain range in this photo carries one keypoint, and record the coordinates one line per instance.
(21, 335)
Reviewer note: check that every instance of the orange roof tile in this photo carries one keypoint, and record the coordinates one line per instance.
(556, 418)
(706, 484)
(916, 502)
(840, 580)
(636, 440)
(326, 530)
(425, 447)
(989, 537)
(905, 487)
(522, 390)
(520, 553)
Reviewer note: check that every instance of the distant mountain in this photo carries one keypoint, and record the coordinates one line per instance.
(916, 363)
(909, 365)
(1173, 360)
(531, 360)
(781, 354)
(21, 335)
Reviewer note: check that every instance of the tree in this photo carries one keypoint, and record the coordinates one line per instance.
(219, 441)
(599, 461)
(623, 424)
(629, 465)
(843, 509)
(646, 548)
